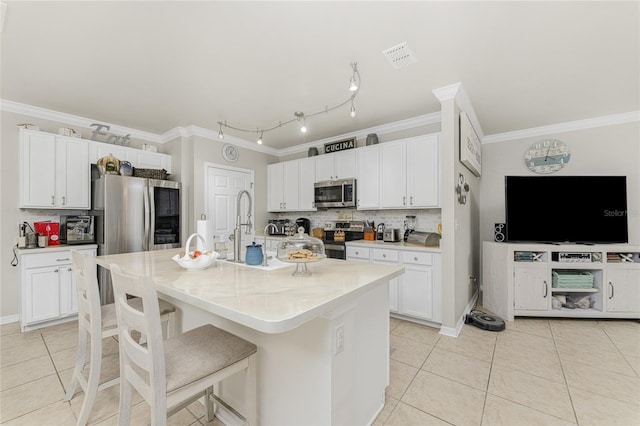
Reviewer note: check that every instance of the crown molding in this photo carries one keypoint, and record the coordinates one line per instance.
(447, 92)
(74, 120)
(459, 95)
(409, 123)
(570, 126)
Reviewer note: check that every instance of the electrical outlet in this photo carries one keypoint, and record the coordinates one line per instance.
(339, 340)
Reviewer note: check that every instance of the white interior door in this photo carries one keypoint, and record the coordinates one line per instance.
(223, 184)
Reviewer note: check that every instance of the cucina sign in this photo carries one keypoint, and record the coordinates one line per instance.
(339, 145)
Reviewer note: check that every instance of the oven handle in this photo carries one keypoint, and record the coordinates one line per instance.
(339, 247)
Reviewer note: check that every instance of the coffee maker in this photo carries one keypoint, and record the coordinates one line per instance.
(305, 223)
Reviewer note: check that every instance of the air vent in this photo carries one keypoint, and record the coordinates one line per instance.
(400, 56)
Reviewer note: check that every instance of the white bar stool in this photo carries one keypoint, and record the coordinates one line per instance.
(97, 322)
(171, 374)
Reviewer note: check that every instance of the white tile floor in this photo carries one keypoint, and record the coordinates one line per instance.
(537, 372)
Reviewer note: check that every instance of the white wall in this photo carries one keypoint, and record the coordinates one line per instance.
(610, 150)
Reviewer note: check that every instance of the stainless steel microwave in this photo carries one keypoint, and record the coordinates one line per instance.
(335, 193)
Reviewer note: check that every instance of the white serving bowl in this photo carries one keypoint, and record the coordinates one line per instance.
(199, 263)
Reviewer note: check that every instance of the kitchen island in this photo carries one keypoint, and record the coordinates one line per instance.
(323, 340)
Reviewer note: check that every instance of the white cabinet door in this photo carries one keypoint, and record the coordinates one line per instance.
(42, 294)
(324, 167)
(423, 174)
(73, 174)
(37, 169)
(54, 171)
(306, 179)
(344, 164)
(623, 289)
(149, 160)
(275, 188)
(68, 297)
(531, 287)
(290, 185)
(393, 175)
(340, 165)
(416, 288)
(97, 150)
(368, 177)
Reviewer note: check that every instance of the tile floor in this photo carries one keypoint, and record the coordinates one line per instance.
(536, 372)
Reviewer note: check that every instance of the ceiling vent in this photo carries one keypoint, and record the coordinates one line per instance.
(400, 56)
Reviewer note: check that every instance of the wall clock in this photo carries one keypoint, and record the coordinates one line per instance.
(230, 153)
(547, 156)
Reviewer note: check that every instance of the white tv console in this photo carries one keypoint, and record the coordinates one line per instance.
(517, 279)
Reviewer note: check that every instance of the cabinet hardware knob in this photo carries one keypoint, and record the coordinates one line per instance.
(411, 200)
(404, 201)
(546, 289)
(66, 259)
(415, 258)
(55, 270)
(69, 269)
(384, 255)
(53, 200)
(64, 200)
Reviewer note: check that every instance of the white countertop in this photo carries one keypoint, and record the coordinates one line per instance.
(270, 301)
(59, 247)
(396, 246)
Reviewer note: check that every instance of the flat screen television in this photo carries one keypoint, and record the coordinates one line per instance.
(566, 209)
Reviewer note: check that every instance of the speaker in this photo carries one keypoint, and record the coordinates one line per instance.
(500, 232)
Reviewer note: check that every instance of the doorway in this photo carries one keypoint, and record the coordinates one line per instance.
(222, 185)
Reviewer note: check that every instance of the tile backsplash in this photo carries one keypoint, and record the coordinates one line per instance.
(426, 219)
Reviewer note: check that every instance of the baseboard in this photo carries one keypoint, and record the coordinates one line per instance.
(9, 319)
(454, 332)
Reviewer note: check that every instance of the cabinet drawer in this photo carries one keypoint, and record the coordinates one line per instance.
(357, 253)
(417, 258)
(62, 257)
(384, 255)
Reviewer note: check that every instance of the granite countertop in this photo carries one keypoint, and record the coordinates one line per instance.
(397, 246)
(59, 247)
(268, 300)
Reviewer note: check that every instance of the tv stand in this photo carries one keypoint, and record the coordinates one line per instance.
(536, 279)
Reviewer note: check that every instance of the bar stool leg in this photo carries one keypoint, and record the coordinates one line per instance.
(79, 366)
(94, 379)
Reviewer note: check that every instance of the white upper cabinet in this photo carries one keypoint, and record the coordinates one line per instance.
(306, 179)
(54, 171)
(290, 185)
(282, 186)
(368, 177)
(137, 157)
(340, 165)
(410, 173)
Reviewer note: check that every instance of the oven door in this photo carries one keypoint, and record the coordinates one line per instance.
(335, 250)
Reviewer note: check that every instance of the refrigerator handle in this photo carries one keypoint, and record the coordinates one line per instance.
(147, 216)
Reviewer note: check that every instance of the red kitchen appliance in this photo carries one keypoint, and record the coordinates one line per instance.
(49, 229)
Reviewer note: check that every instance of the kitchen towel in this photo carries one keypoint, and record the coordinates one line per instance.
(204, 228)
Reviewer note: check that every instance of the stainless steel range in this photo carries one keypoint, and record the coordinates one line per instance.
(337, 233)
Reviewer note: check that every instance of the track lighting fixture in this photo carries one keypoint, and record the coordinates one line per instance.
(301, 117)
(353, 86)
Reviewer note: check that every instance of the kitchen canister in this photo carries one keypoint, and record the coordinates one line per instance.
(313, 151)
(254, 254)
(126, 169)
(372, 139)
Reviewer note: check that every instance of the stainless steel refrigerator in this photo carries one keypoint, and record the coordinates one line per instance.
(133, 214)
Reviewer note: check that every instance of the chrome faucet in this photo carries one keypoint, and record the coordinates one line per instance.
(237, 239)
(264, 246)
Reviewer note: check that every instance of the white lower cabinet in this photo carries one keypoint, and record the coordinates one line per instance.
(417, 293)
(623, 289)
(540, 280)
(48, 289)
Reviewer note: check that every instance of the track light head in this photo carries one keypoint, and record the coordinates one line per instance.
(353, 109)
(259, 141)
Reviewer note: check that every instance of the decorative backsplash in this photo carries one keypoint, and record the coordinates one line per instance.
(426, 220)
